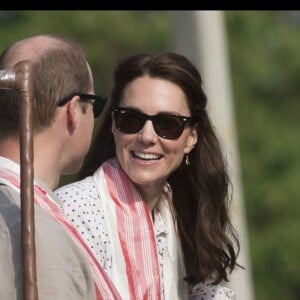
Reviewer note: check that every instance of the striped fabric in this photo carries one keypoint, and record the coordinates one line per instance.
(104, 287)
(136, 235)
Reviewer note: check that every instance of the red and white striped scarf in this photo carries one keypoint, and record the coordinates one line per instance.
(136, 235)
(104, 287)
(135, 268)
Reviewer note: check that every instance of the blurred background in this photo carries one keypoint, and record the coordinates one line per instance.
(262, 50)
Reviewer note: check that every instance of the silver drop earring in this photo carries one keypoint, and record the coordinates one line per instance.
(187, 161)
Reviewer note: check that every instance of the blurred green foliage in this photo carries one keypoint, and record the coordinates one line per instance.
(106, 36)
(264, 52)
(264, 49)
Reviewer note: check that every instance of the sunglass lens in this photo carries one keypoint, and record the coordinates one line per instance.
(169, 127)
(97, 108)
(128, 121)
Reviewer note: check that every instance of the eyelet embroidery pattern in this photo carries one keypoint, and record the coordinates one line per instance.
(82, 206)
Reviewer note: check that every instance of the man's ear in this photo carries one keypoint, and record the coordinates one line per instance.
(73, 110)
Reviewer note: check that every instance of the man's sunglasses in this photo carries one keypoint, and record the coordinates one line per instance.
(98, 104)
(167, 126)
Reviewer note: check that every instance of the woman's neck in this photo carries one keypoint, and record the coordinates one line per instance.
(150, 195)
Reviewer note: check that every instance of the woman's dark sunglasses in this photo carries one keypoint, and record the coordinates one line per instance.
(98, 104)
(167, 126)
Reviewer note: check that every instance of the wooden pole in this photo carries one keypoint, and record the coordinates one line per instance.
(20, 78)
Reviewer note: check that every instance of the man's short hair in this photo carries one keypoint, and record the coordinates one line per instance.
(60, 70)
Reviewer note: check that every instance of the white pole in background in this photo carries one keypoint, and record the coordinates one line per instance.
(200, 35)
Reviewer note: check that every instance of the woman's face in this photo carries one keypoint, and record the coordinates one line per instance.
(147, 158)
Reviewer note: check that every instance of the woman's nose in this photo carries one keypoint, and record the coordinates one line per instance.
(147, 134)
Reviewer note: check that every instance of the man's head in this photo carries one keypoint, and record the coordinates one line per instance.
(60, 70)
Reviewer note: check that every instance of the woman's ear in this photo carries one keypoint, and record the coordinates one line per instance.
(192, 140)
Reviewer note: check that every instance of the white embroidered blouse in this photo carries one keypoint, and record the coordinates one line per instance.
(82, 205)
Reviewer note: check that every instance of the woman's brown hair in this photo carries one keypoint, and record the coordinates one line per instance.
(200, 190)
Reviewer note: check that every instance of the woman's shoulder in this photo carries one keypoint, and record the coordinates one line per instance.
(205, 291)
